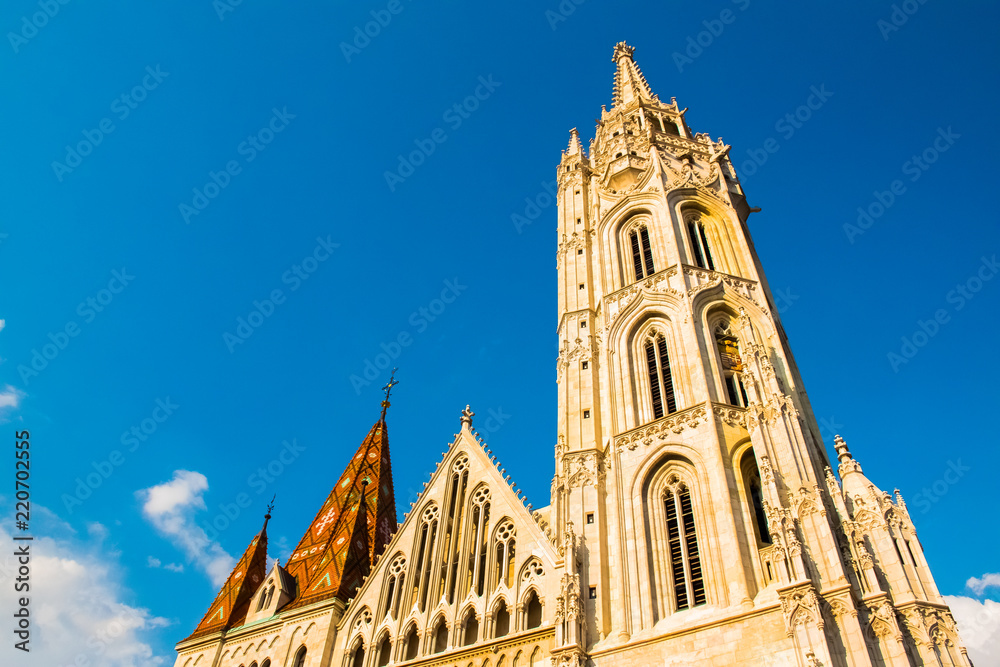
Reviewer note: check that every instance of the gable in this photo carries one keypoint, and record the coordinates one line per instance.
(467, 543)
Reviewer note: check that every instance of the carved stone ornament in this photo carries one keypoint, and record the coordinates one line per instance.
(730, 415)
(583, 469)
(800, 606)
(661, 429)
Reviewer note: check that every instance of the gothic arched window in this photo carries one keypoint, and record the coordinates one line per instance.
(479, 546)
(501, 623)
(732, 364)
(686, 577)
(425, 549)
(358, 656)
(441, 636)
(504, 548)
(412, 643)
(533, 611)
(300, 657)
(394, 587)
(384, 652)
(453, 528)
(642, 252)
(661, 383)
(699, 242)
(471, 628)
(755, 496)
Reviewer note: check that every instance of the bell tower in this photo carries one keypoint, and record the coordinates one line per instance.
(688, 459)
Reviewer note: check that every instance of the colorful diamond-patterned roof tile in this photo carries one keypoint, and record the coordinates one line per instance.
(229, 609)
(352, 527)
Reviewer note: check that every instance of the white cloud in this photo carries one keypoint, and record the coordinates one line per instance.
(153, 562)
(171, 506)
(980, 584)
(10, 400)
(78, 615)
(174, 567)
(3, 323)
(979, 625)
(156, 562)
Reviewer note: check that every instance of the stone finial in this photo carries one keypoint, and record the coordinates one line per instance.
(622, 50)
(574, 143)
(843, 453)
(467, 415)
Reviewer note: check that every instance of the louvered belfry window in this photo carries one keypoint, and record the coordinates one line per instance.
(642, 253)
(661, 384)
(699, 243)
(685, 561)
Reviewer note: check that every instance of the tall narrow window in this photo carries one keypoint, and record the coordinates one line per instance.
(504, 550)
(502, 620)
(425, 549)
(685, 560)
(757, 500)
(441, 637)
(359, 655)
(642, 253)
(479, 540)
(533, 617)
(270, 594)
(453, 529)
(412, 643)
(699, 243)
(300, 657)
(732, 364)
(394, 588)
(384, 652)
(471, 628)
(661, 383)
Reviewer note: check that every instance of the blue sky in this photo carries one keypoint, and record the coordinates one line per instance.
(278, 138)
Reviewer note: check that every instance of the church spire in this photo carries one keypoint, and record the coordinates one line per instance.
(230, 607)
(630, 84)
(352, 527)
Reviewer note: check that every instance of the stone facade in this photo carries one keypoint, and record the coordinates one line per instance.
(695, 518)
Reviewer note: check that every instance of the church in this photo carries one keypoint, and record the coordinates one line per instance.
(694, 518)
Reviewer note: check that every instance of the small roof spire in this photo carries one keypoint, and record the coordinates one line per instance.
(466, 418)
(630, 84)
(574, 143)
(267, 515)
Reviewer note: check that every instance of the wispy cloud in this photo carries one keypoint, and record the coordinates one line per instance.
(170, 507)
(10, 400)
(156, 563)
(978, 585)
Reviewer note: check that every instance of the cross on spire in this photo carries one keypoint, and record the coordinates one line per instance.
(388, 390)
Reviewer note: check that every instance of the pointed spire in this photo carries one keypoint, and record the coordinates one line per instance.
(466, 418)
(630, 84)
(574, 143)
(352, 527)
(267, 516)
(388, 389)
(230, 607)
